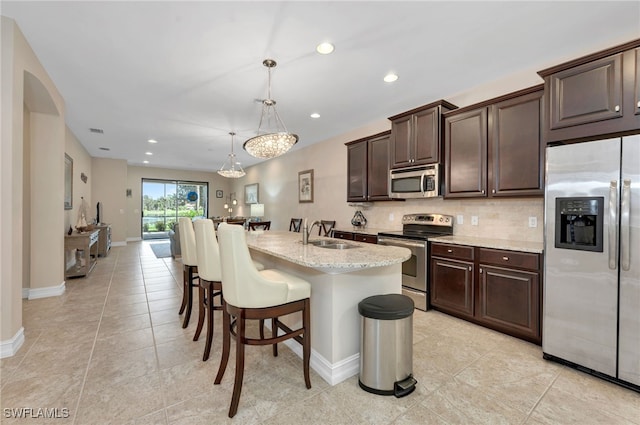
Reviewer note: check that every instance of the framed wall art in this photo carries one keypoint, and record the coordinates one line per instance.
(251, 194)
(305, 186)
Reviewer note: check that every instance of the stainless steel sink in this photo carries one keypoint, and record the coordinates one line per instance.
(338, 246)
(331, 244)
(323, 242)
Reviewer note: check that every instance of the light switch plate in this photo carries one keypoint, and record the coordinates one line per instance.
(533, 221)
(474, 220)
(460, 219)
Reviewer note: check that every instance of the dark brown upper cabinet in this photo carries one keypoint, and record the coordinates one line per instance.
(416, 135)
(495, 148)
(368, 162)
(592, 96)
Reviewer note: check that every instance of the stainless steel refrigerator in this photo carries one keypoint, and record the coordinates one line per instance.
(591, 307)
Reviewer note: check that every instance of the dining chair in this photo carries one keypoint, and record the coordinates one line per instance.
(250, 294)
(189, 267)
(295, 225)
(326, 227)
(259, 225)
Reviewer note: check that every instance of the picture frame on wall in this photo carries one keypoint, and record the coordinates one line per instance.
(68, 182)
(251, 194)
(305, 186)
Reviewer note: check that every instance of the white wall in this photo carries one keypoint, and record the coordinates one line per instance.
(26, 88)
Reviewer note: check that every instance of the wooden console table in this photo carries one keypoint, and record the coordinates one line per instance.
(86, 242)
(104, 240)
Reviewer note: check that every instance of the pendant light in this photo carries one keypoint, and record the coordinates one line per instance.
(231, 172)
(274, 140)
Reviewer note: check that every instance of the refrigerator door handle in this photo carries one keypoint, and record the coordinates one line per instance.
(613, 223)
(624, 225)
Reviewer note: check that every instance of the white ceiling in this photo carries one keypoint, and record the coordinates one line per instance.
(187, 73)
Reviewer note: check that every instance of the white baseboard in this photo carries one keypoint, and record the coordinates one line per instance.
(333, 373)
(123, 243)
(10, 347)
(50, 291)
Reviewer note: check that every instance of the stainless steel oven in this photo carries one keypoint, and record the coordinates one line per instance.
(416, 229)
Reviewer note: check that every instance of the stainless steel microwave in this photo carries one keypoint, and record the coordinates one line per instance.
(415, 182)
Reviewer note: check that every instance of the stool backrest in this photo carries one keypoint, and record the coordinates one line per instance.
(242, 285)
(207, 250)
(187, 242)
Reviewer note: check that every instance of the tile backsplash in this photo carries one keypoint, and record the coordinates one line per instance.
(496, 218)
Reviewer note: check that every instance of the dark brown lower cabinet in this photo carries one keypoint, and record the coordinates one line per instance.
(452, 286)
(499, 289)
(509, 301)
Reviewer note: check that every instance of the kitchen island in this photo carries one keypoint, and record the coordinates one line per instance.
(340, 279)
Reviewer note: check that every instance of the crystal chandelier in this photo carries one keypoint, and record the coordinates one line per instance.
(231, 172)
(274, 139)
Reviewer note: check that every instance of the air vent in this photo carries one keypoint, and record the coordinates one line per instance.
(96, 130)
(105, 149)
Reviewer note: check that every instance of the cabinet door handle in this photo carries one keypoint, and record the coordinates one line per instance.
(483, 191)
(480, 270)
(639, 104)
(505, 258)
(449, 250)
(493, 191)
(469, 268)
(617, 108)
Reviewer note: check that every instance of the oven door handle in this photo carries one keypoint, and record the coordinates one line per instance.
(396, 242)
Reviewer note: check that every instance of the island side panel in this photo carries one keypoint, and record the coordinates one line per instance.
(335, 321)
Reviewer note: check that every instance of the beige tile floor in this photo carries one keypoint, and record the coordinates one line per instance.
(111, 350)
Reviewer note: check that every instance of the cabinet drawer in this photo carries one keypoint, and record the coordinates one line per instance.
(342, 235)
(452, 251)
(365, 238)
(506, 258)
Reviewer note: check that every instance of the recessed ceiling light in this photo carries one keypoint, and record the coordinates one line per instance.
(152, 141)
(148, 153)
(390, 77)
(145, 162)
(324, 48)
(315, 115)
(104, 149)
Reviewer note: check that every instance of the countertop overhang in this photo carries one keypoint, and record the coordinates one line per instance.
(288, 246)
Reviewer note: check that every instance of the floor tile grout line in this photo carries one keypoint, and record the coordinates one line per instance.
(153, 335)
(95, 339)
(544, 393)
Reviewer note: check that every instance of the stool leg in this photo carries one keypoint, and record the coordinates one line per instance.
(237, 385)
(261, 328)
(226, 342)
(189, 295)
(274, 333)
(306, 342)
(202, 296)
(210, 308)
(184, 289)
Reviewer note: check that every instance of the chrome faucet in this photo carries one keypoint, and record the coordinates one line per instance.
(307, 229)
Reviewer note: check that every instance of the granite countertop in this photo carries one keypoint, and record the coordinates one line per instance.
(524, 246)
(365, 230)
(288, 246)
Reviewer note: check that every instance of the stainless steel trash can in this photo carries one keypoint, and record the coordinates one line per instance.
(386, 345)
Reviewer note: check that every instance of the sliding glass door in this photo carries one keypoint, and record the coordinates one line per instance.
(163, 201)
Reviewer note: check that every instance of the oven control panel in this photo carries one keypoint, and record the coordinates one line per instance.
(433, 219)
